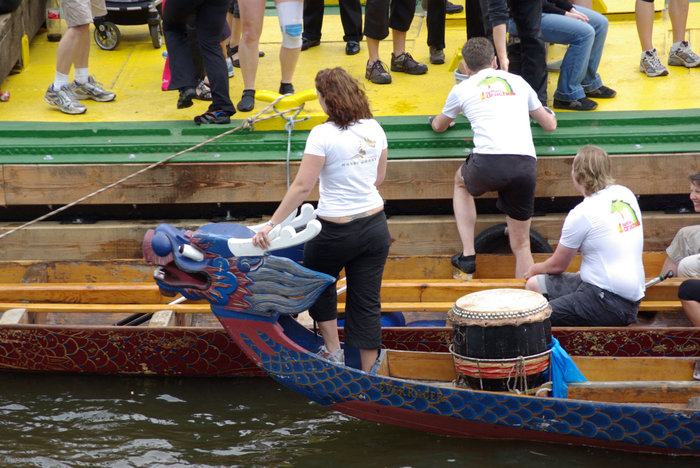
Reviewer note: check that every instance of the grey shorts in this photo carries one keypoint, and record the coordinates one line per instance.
(576, 303)
(80, 12)
(512, 176)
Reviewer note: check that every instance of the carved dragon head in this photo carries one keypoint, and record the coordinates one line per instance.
(219, 263)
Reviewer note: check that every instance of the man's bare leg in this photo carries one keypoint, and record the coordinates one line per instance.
(519, 237)
(465, 214)
(692, 311)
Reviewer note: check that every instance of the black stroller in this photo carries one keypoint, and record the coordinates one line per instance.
(128, 12)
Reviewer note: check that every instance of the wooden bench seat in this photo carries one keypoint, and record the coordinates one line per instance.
(635, 392)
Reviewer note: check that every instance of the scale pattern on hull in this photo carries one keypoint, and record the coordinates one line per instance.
(620, 425)
(130, 350)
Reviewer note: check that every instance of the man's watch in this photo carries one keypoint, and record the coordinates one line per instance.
(270, 223)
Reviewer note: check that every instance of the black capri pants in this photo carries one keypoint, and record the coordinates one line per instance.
(380, 15)
(361, 247)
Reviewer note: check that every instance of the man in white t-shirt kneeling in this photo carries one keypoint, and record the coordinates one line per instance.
(607, 228)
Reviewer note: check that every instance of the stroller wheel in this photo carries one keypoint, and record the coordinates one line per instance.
(107, 35)
(156, 31)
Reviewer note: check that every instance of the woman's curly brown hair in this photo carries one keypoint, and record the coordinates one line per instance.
(346, 102)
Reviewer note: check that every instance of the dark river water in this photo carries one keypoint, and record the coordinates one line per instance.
(89, 421)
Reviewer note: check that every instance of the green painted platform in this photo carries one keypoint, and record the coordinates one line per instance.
(409, 137)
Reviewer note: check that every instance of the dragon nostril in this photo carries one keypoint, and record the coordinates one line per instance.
(161, 244)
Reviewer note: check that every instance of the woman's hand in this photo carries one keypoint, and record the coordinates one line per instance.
(574, 13)
(260, 239)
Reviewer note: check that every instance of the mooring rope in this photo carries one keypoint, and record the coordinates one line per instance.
(289, 126)
(247, 123)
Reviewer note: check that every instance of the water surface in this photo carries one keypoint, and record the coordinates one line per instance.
(95, 421)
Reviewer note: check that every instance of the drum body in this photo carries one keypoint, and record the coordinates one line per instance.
(501, 339)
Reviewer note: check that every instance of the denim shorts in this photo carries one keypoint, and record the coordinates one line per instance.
(577, 303)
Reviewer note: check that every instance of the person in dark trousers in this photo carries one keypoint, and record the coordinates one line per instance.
(209, 20)
(350, 17)
(435, 19)
(527, 15)
(380, 17)
(347, 154)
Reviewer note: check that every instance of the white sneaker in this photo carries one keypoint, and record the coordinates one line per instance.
(651, 65)
(91, 89)
(64, 99)
(337, 356)
(683, 56)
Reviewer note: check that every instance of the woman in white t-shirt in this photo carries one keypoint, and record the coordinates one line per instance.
(606, 227)
(348, 155)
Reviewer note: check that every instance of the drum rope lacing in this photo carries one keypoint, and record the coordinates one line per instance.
(247, 123)
(513, 369)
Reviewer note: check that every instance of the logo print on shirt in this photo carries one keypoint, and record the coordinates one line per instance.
(495, 87)
(628, 218)
(361, 157)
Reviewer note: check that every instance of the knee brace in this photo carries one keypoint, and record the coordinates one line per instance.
(290, 16)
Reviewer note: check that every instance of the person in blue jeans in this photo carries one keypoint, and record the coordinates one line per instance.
(584, 30)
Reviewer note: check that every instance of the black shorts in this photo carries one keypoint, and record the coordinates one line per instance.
(512, 176)
(689, 290)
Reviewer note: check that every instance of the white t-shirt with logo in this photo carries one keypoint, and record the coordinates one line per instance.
(498, 105)
(607, 228)
(346, 182)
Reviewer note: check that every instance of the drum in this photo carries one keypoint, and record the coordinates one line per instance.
(501, 339)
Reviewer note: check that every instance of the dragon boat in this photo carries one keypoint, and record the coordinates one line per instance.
(58, 321)
(53, 321)
(636, 403)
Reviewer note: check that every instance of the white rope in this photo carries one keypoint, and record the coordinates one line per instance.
(289, 126)
(247, 123)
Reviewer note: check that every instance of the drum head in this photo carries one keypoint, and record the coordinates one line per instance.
(498, 307)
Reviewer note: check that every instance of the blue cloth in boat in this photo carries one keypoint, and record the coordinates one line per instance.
(563, 370)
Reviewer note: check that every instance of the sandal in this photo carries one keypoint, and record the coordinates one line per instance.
(237, 63)
(213, 117)
(203, 92)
